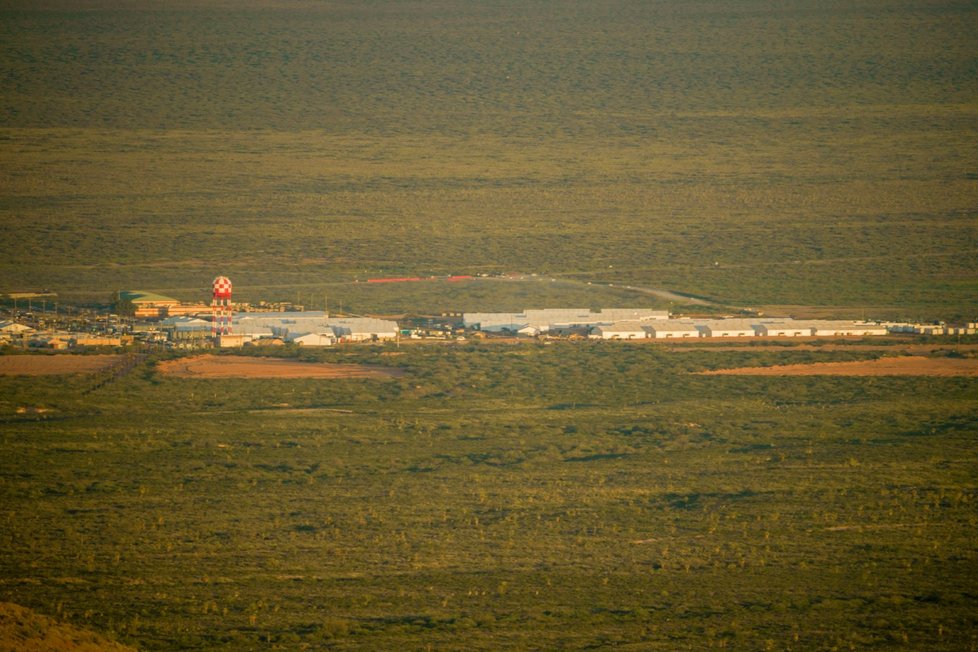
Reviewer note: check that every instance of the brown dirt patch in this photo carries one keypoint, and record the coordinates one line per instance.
(902, 366)
(229, 366)
(54, 365)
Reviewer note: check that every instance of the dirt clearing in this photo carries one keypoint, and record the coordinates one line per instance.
(902, 366)
(55, 365)
(228, 366)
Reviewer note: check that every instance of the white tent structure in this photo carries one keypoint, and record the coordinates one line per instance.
(671, 328)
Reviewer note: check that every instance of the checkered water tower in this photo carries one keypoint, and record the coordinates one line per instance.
(221, 307)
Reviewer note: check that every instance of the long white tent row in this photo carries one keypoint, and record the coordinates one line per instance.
(641, 323)
(313, 327)
(534, 322)
(736, 328)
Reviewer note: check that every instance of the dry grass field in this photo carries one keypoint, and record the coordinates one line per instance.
(56, 365)
(210, 366)
(563, 495)
(897, 366)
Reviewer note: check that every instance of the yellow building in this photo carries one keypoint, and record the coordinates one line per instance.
(149, 305)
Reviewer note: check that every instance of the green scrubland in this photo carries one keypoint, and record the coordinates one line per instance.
(786, 156)
(752, 152)
(553, 496)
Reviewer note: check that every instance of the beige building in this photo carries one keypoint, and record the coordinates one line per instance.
(149, 305)
(228, 341)
(726, 328)
(326, 338)
(621, 330)
(661, 329)
(785, 328)
(842, 328)
(82, 339)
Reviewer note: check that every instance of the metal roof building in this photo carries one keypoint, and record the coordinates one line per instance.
(725, 327)
(495, 321)
(782, 328)
(840, 327)
(620, 330)
(312, 339)
(612, 315)
(289, 325)
(546, 319)
(671, 328)
(358, 329)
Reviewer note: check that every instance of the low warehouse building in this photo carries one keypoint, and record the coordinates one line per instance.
(622, 330)
(313, 339)
(288, 325)
(11, 329)
(671, 329)
(726, 328)
(186, 329)
(549, 319)
(149, 305)
(362, 329)
(612, 315)
(86, 339)
(142, 304)
(843, 328)
(786, 328)
(495, 321)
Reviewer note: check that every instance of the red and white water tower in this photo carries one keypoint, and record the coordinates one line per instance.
(221, 307)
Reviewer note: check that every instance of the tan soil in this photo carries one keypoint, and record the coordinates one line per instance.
(902, 366)
(52, 365)
(227, 366)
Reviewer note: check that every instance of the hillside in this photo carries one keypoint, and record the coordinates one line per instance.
(23, 630)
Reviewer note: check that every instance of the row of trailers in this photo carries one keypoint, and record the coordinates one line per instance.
(621, 324)
(736, 328)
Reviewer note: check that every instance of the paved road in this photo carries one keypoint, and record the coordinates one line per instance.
(662, 293)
